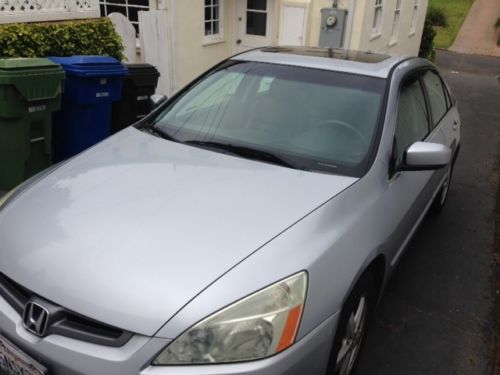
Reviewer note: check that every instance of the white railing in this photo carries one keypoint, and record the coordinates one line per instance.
(12, 11)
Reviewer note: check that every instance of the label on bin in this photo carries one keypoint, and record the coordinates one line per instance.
(37, 108)
(102, 94)
(143, 97)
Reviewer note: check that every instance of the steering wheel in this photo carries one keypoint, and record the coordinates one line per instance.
(345, 125)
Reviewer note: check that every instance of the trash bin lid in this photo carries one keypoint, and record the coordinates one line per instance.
(35, 79)
(22, 63)
(142, 75)
(91, 66)
(142, 69)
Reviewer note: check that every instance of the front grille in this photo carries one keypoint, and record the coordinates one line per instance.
(63, 322)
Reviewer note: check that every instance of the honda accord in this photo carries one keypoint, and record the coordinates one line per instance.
(248, 225)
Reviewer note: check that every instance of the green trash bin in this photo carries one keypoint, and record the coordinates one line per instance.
(30, 91)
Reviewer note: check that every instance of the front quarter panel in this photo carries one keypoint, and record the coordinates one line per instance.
(333, 244)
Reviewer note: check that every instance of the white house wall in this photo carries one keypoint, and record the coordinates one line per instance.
(192, 54)
(407, 43)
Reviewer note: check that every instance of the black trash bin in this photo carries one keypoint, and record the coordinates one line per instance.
(138, 86)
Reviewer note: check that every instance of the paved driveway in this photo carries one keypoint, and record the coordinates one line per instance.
(477, 34)
(437, 315)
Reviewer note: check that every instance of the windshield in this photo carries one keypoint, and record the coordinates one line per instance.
(308, 118)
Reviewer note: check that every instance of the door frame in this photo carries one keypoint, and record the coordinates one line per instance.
(272, 11)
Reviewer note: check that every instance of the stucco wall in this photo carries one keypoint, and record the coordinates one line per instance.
(192, 55)
(407, 42)
(359, 27)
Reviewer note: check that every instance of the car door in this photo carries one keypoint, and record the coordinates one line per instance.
(410, 191)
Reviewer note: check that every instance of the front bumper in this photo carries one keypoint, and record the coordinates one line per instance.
(66, 356)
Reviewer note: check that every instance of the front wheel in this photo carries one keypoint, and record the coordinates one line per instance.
(352, 326)
(441, 197)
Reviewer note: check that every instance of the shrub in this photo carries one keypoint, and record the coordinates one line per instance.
(427, 44)
(497, 27)
(437, 17)
(90, 37)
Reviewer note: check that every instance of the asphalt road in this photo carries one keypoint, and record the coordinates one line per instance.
(437, 314)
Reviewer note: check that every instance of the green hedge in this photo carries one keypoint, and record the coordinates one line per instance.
(90, 37)
(437, 16)
(497, 27)
(427, 44)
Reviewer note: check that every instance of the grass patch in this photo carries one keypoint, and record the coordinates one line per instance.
(455, 11)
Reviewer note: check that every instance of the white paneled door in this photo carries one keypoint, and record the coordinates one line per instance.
(255, 23)
(292, 25)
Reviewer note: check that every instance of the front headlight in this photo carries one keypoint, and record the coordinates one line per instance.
(255, 327)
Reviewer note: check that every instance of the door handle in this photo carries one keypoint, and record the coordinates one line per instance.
(455, 125)
(35, 140)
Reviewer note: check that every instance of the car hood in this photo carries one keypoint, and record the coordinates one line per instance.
(130, 231)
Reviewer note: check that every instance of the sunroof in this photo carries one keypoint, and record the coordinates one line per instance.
(341, 54)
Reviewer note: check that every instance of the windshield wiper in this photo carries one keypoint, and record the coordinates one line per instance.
(159, 132)
(244, 151)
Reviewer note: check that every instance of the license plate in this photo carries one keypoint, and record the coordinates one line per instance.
(13, 361)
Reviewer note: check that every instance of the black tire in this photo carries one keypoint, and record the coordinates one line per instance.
(364, 289)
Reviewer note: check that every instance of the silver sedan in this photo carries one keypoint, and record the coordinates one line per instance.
(247, 226)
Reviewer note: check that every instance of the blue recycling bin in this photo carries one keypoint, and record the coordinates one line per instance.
(93, 83)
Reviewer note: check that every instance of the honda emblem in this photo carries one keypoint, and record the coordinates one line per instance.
(35, 318)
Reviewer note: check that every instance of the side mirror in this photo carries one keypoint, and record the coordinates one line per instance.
(422, 156)
(157, 100)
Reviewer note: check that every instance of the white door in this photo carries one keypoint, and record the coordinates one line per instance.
(254, 23)
(292, 30)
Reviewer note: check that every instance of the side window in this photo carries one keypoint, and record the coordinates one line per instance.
(412, 120)
(213, 20)
(437, 98)
(449, 100)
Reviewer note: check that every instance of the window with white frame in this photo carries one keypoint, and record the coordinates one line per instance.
(129, 8)
(395, 23)
(414, 16)
(377, 18)
(213, 19)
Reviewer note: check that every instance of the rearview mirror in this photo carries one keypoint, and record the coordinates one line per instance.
(157, 100)
(421, 156)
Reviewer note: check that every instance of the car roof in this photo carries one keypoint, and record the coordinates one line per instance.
(340, 60)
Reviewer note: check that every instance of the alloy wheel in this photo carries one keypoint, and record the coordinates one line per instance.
(353, 337)
(445, 188)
